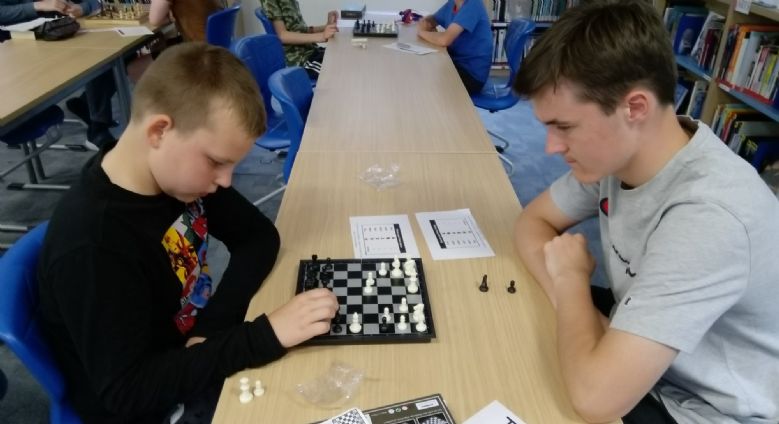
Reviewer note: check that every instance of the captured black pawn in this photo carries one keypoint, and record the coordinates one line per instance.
(483, 287)
(511, 288)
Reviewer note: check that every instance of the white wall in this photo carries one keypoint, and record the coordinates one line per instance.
(315, 11)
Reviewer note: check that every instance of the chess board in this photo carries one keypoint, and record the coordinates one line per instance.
(116, 13)
(373, 29)
(346, 278)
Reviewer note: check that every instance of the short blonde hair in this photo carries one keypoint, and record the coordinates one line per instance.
(185, 80)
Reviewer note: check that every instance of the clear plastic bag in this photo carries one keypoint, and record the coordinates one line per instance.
(381, 177)
(336, 386)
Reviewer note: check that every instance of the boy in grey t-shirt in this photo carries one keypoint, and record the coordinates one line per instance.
(689, 232)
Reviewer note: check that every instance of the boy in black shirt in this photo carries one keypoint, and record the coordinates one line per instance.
(126, 298)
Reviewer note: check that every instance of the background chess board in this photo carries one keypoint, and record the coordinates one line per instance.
(346, 279)
(361, 29)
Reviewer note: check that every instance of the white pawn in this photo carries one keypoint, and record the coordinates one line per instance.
(402, 324)
(387, 315)
(369, 284)
(355, 326)
(246, 396)
(258, 389)
(396, 262)
(421, 326)
(403, 305)
(243, 380)
(382, 269)
(412, 287)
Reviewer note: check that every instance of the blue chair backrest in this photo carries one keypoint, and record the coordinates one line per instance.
(263, 54)
(292, 88)
(220, 26)
(517, 36)
(266, 23)
(19, 322)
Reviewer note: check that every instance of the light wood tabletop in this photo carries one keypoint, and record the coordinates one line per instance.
(381, 99)
(35, 74)
(493, 345)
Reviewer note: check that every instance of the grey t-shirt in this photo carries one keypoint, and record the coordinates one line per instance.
(693, 260)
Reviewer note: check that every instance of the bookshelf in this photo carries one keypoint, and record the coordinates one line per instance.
(719, 91)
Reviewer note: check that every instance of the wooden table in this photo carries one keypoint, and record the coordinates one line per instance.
(383, 99)
(489, 346)
(37, 74)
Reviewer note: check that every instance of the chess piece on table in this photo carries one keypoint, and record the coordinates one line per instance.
(396, 272)
(403, 305)
(382, 269)
(386, 315)
(483, 287)
(419, 312)
(412, 287)
(511, 288)
(258, 389)
(410, 267)
(245, 396)
(383, 326)
(355, 326)
(421, 327)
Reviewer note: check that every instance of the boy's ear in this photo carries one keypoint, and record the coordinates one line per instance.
(638, 103)
(156, 127)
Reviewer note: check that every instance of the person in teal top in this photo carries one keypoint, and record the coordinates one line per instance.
(467, 38)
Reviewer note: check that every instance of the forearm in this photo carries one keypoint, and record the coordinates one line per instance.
(289, 37)
(16, 13)
(529, 239)
(579, 330)
(434, 37)
(159, 12)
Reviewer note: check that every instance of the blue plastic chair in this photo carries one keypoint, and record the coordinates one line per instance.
(266, 23)
(498, 95)
(264, 55)
(19, 323)
(220, 26)
(292, 88)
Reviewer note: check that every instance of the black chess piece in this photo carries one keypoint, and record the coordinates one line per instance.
(337, 328)
(314, 260)
(328, 264)
(483, 287)
(511, 288)
(383, 326)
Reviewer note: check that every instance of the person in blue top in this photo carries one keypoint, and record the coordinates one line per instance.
(467, 38)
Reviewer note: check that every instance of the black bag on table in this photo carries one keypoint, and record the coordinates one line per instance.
(57, 29)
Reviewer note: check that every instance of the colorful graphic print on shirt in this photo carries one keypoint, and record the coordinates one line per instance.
(186, 243)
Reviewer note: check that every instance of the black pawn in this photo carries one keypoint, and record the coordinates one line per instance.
(483, 287)
(383, 325)
(511, 288)
(337, 328)
(328, 264)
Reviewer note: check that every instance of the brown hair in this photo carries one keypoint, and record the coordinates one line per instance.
(605, 48)
(185, 80)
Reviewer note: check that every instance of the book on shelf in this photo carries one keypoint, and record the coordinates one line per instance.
(743, 129)
(697, 96)
(705, 48)
(685, 31)
(760, 150)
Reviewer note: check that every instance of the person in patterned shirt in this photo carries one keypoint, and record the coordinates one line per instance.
(299, 39)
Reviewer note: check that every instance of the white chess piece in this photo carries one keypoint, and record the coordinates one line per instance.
(382, 269)
(369, 284)
(412, 287)
(419, 312)
(355, 326)
(387, 315)
(246, 396)
(402, 324)
(258, 389)
(396, 262)
(403, 305)
(421, 326)
(410, 267)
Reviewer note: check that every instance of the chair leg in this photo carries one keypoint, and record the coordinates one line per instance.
(509, 164)
(28, 164)
(36, 161)
(270, 195)
(504, 143)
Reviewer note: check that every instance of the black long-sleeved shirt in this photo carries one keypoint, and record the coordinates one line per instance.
(121, 284)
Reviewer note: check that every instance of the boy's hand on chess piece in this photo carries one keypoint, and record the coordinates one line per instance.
(305, 316)
(329, 32)
(50, 6)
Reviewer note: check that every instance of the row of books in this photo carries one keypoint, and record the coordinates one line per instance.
(684, 23)
(704, 51)
(750, 61)
(689, 96)
(748, 133)
(537, 10)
